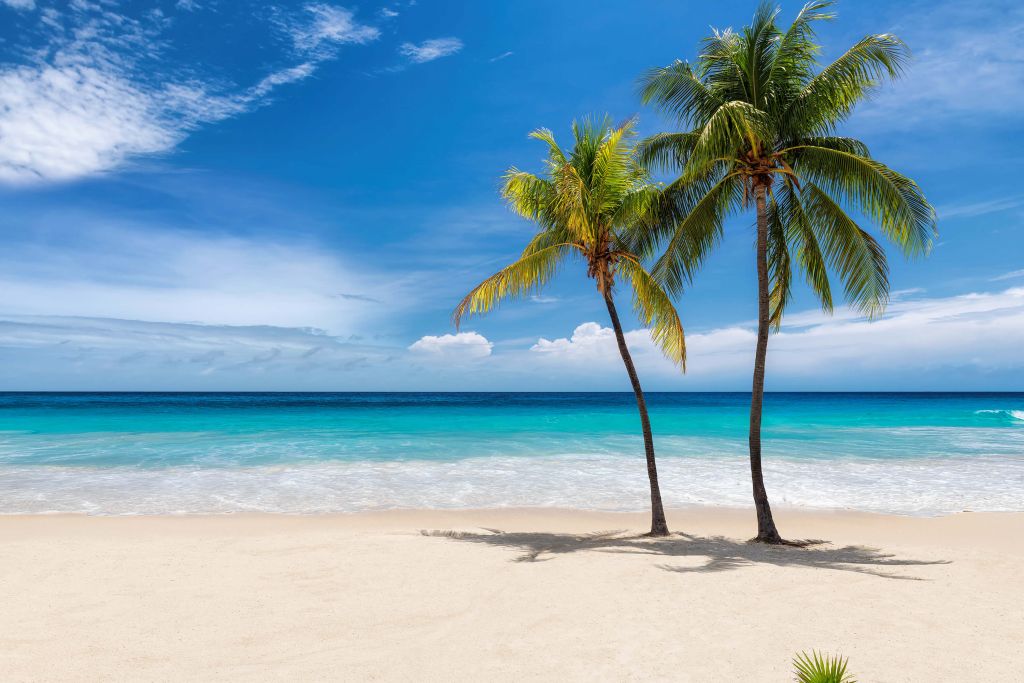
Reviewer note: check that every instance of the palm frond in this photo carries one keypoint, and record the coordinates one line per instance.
(734, 127)
(676, 89)
(525, 276)
(829, 97)
(526, 194)
(666, 151)
(852, 252)
(820, 668)
(654, 308)
(780, 267)
(888, 198)
(695, 211)
(800, 234)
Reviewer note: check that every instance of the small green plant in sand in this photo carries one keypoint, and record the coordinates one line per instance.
(821, 668)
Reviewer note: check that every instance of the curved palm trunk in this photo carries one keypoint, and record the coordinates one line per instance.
(766, 531)
(659, 526)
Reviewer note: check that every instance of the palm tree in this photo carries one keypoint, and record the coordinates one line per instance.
(593, 204)
(760, 121)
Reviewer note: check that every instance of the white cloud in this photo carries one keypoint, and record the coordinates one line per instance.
(329, 26)
(429, 50)
(388, 13)
(19, 4)
(187, 277)
(978, 208)
(60, 122)
(461, 345)
(89, 352)
(502, 56)
(1013, 274)
(968, 61)
(99, 92)
(927, 336)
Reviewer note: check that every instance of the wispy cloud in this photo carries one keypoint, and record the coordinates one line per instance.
(388, 13)
(502, 56)
(326, 27)
(979, 208)
(968, 63)
(429, 50)
(19, 4)
(90, 352)
(176, 276)
(97, 92)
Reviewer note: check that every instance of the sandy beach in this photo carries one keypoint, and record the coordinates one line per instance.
(507, 595)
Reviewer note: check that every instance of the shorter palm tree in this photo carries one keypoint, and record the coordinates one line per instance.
(595, 203)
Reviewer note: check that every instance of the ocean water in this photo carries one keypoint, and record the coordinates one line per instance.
(116, 453)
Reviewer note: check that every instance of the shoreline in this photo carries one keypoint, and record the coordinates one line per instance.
(507, 594)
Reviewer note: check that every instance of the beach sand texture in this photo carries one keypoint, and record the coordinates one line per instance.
(507, 595)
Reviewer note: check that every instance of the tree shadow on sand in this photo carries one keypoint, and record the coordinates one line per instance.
(713, 553)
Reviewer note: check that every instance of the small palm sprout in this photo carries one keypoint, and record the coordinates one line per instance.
(759, 123)
(820, 668)
(594, 203)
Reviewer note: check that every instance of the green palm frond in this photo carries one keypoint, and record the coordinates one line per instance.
(800, 234)
(525, 276)
(888, 198)
(666, 151)
(654, 308)
(735, 127)
(820, 668)
(696, 211)
(830, 95)
(780, 266)
(678, 90)
(851, 251)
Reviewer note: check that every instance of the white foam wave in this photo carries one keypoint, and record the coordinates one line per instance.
(924, 486)
(1015, 414)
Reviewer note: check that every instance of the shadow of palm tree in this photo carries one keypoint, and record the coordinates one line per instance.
(718, 552)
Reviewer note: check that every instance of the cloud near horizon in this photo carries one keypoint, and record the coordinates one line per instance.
(969, 340)
(462, 345)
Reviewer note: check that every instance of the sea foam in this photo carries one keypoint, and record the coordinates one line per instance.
(929, 486)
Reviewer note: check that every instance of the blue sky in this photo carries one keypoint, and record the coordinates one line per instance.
(223, 195)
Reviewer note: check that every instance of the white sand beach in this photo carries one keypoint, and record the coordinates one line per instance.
(507, 595)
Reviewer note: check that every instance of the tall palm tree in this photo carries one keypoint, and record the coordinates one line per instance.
(760, 122)
(592, 204)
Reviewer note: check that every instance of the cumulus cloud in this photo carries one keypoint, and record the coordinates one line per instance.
(98, 91)
(926, 337)
(429, 50)
(461, 345)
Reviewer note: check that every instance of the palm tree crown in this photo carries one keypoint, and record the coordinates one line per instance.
(756, 110)
(593, 203)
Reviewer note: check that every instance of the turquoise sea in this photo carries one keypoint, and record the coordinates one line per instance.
(122, 453)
